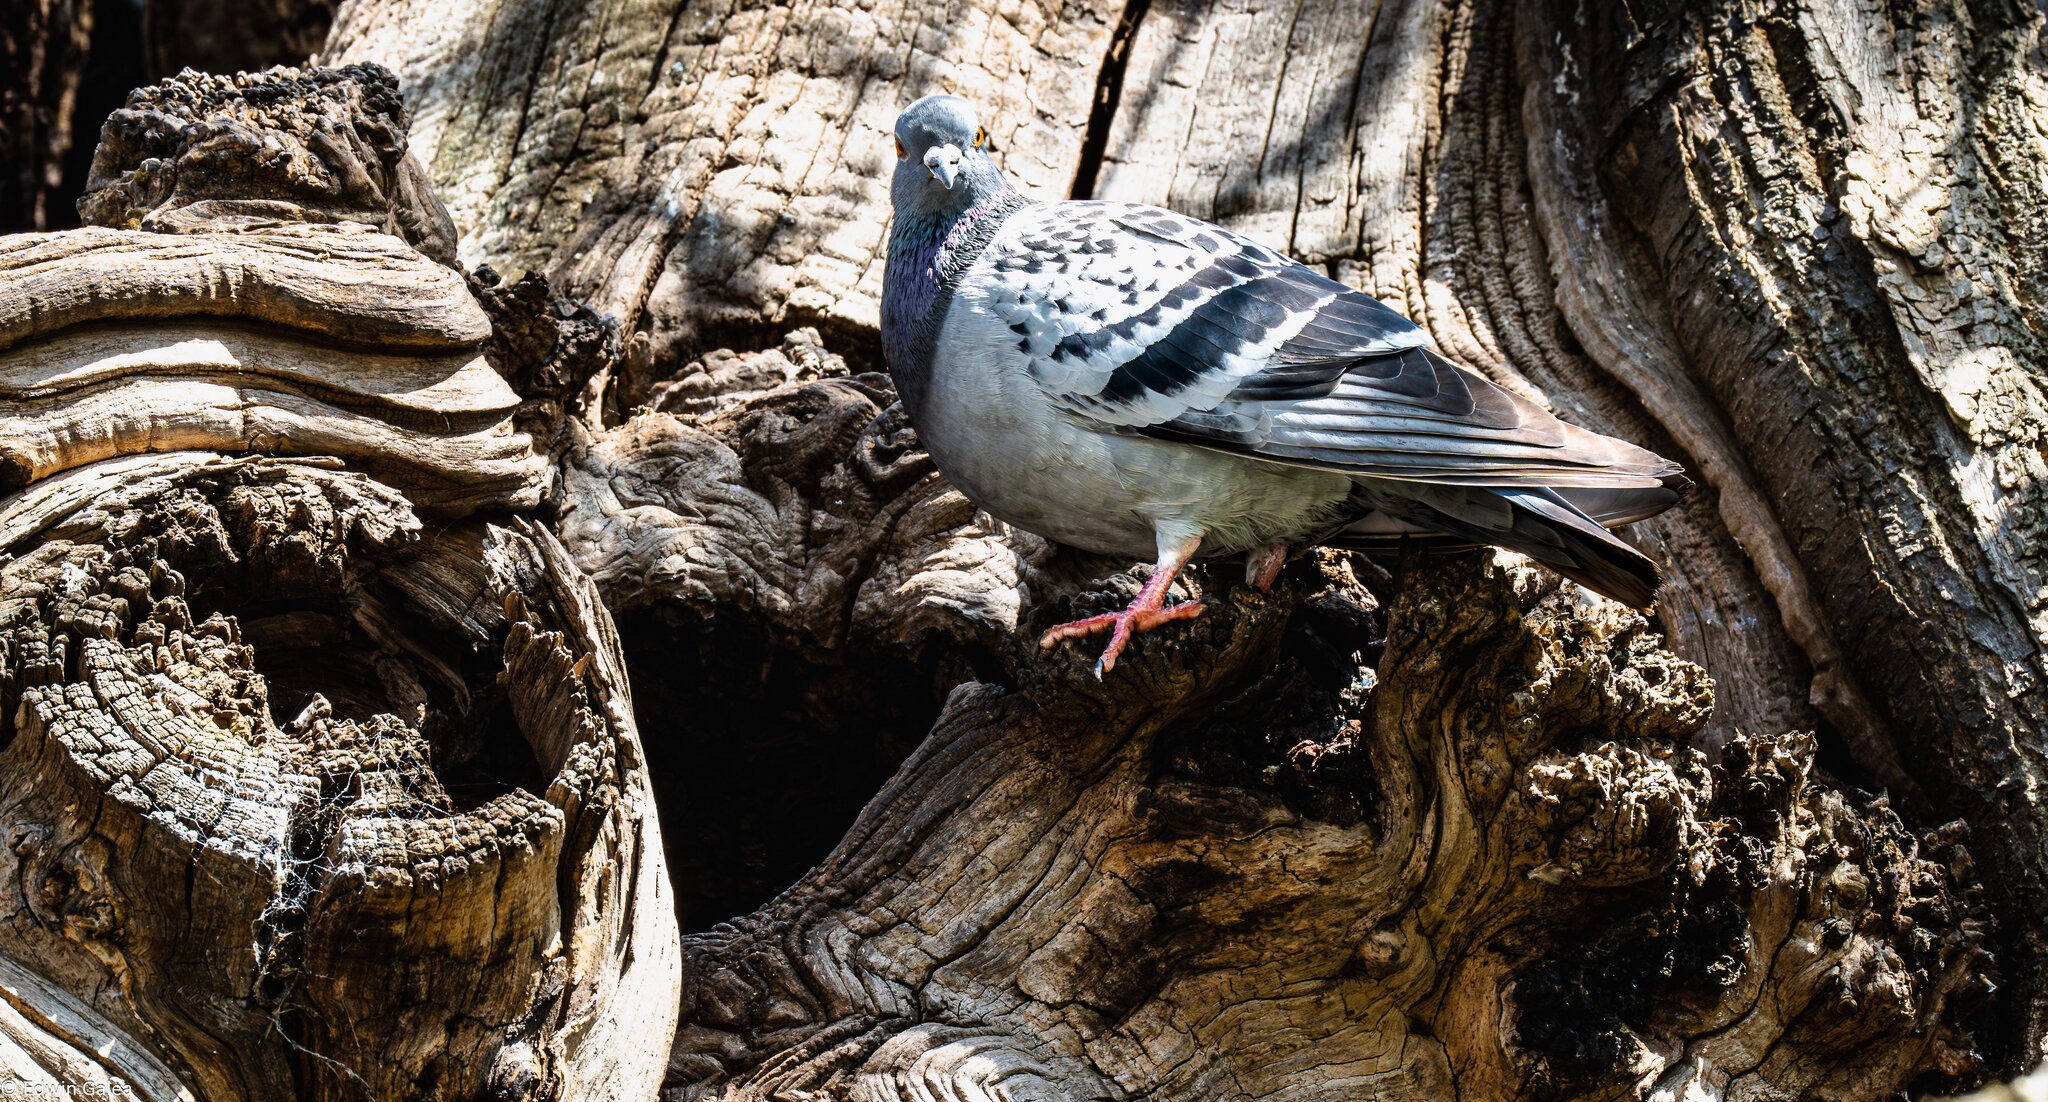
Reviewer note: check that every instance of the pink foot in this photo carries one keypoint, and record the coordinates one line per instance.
(1263, 565)
(1144, 613)
(1121, 626)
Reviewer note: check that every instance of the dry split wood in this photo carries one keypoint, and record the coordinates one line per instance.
(319, 776)
(312, 800)
(1454, 836)
(304, 339)
(1797, 245)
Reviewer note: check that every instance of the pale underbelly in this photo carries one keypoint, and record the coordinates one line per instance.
(1117, 495)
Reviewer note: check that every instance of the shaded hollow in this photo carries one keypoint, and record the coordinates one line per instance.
(345, 637)
(763, 752)
(761, 755)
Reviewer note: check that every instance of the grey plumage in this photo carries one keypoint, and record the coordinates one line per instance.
(1131, 381)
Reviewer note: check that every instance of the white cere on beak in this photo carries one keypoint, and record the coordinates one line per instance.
(943, 161)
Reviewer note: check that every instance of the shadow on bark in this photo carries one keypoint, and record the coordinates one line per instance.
(1447, 832)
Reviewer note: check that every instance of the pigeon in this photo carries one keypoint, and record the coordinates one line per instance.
(1138, 383)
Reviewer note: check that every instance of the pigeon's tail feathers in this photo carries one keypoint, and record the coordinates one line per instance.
(1627, 504)
(1541, 523)
(1551, 530)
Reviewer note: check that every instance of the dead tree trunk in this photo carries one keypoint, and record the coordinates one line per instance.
(1797, 245)
(1449, 831)
(320, 771)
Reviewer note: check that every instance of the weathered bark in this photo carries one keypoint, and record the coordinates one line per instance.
(1080, 891)
(1450, 831)
(231, 152)
(1267, 860)
(321, 777)
(1851, 252)
(272, 736)
(1693, 226)
(424, 409)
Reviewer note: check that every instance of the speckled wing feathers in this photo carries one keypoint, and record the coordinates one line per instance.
(1147, 322)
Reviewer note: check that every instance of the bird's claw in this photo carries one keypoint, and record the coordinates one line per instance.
(1121, 626)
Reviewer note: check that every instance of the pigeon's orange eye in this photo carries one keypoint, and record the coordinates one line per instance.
(980, 136)
(900, 151)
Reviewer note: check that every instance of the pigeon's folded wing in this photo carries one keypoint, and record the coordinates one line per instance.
(1150, 323)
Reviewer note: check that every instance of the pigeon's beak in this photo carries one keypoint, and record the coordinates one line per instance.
(943, 161)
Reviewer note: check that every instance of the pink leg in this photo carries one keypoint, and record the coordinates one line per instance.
(1263, 565)
(1143, 614)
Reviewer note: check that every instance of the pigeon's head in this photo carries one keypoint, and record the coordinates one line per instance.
(942, 161)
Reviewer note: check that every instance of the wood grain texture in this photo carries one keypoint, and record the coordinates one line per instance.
(1846, 266)
(1382, 141)
(1444, 831)
(199, 151)
(1335, 132)
(115, 342)
(1796, 245)
(345, 284)
(828, 520)
(706, 169)
(1070, 890)
(54, 1042)
(321, 773)
(271, 675)
(1272, 859)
